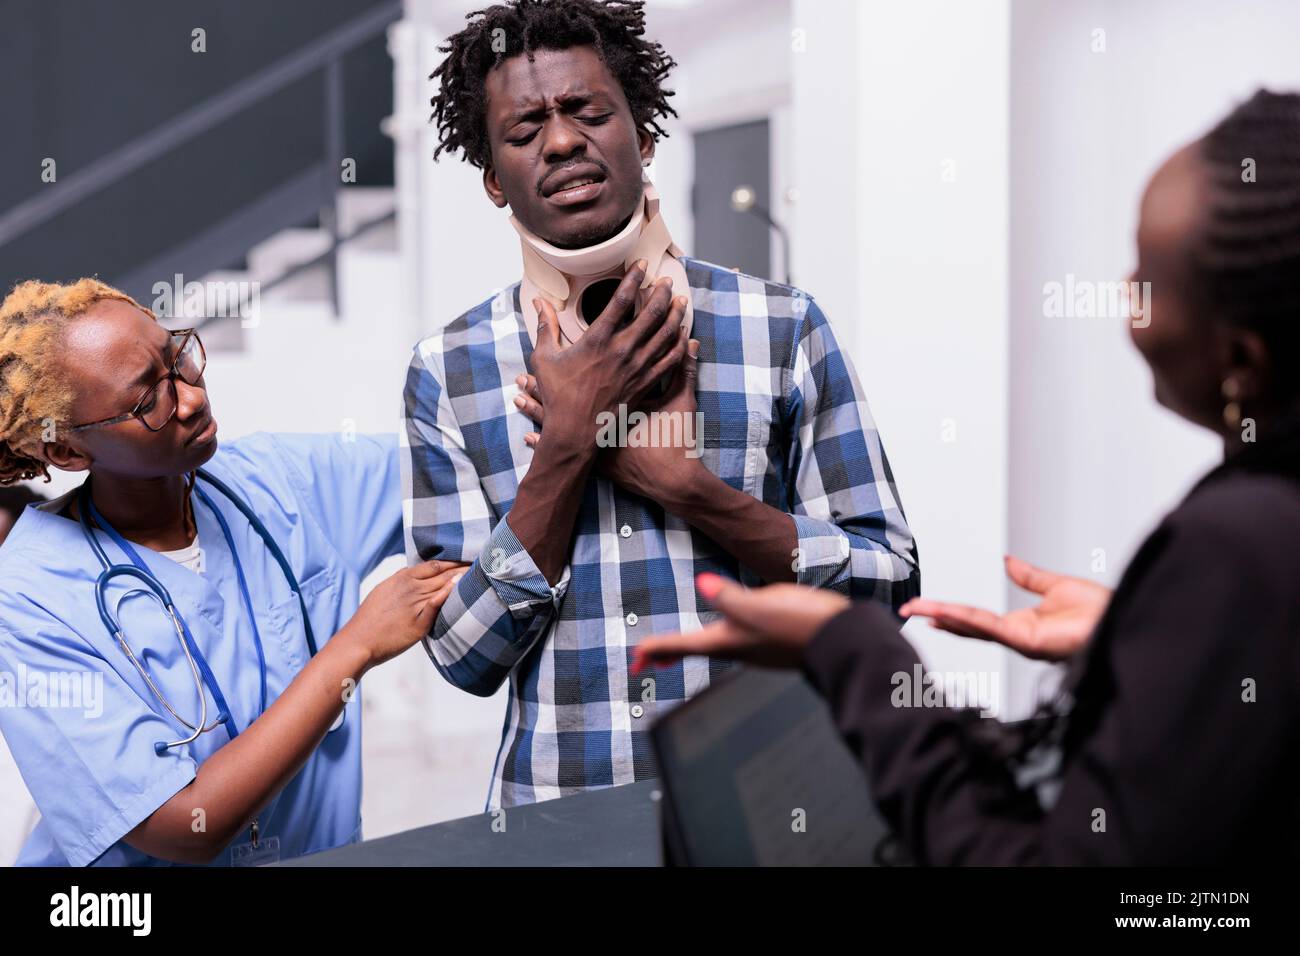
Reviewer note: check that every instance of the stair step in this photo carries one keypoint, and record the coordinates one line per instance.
(359, 204)
(284, 250)
(224, 335)
(223, 291)
(381, 238)
(371, 254)
(309, 285)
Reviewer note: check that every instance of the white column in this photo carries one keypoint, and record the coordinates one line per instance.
(900, 115)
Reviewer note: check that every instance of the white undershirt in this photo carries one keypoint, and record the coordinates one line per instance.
(188, 557)
(191, 556)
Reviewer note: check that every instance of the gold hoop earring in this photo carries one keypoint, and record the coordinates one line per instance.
(1231, 391)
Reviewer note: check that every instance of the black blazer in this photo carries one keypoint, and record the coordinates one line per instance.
(1165, 759)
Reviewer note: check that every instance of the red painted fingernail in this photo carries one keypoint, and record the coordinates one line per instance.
(708, 585)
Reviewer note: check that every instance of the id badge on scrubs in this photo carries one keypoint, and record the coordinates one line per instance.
(266, 851)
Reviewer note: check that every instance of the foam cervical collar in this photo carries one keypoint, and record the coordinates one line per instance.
(561, 276)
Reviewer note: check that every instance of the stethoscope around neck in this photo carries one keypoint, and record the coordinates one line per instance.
(139, 572)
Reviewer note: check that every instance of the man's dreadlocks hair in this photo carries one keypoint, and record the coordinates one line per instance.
(614, 27)
(1246, 259)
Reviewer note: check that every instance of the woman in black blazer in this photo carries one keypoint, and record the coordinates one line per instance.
(1178, 736)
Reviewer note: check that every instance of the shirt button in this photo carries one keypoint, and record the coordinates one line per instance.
(632, 619)
(637, 710)
(625, 531)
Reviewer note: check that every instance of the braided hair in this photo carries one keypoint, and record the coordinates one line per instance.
(35, 396)
(1244, 270)
(1246, 258)
(497, 33)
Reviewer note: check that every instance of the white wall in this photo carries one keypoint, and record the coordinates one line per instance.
(907, 254)
(733, 66)
(1094, 461)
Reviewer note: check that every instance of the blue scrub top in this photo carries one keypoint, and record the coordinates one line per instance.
(81, 722)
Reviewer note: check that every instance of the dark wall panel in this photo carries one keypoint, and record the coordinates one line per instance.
(79, 79)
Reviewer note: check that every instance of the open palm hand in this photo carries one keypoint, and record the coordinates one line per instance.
(1054, 629)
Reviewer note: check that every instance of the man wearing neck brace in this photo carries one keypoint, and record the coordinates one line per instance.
(524, 452)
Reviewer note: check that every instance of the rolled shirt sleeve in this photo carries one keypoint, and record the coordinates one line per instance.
(516, 578)
(503, 603)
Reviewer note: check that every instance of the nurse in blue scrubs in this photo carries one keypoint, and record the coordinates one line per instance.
(90, 382)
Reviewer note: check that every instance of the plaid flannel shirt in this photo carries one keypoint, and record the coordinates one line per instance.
(785, 420)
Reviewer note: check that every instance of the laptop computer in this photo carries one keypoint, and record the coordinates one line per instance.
(754, 773)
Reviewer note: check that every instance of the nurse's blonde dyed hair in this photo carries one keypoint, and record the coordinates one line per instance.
(36, 395)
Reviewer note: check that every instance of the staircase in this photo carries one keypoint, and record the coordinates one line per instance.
(300, 367)
(290, 266)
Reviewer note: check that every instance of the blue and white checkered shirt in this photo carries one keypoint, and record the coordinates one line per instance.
(785, 420)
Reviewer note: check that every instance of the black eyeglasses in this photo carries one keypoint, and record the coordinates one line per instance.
(157, 406)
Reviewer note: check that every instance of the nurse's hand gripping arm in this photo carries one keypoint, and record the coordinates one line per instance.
(237, 782)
